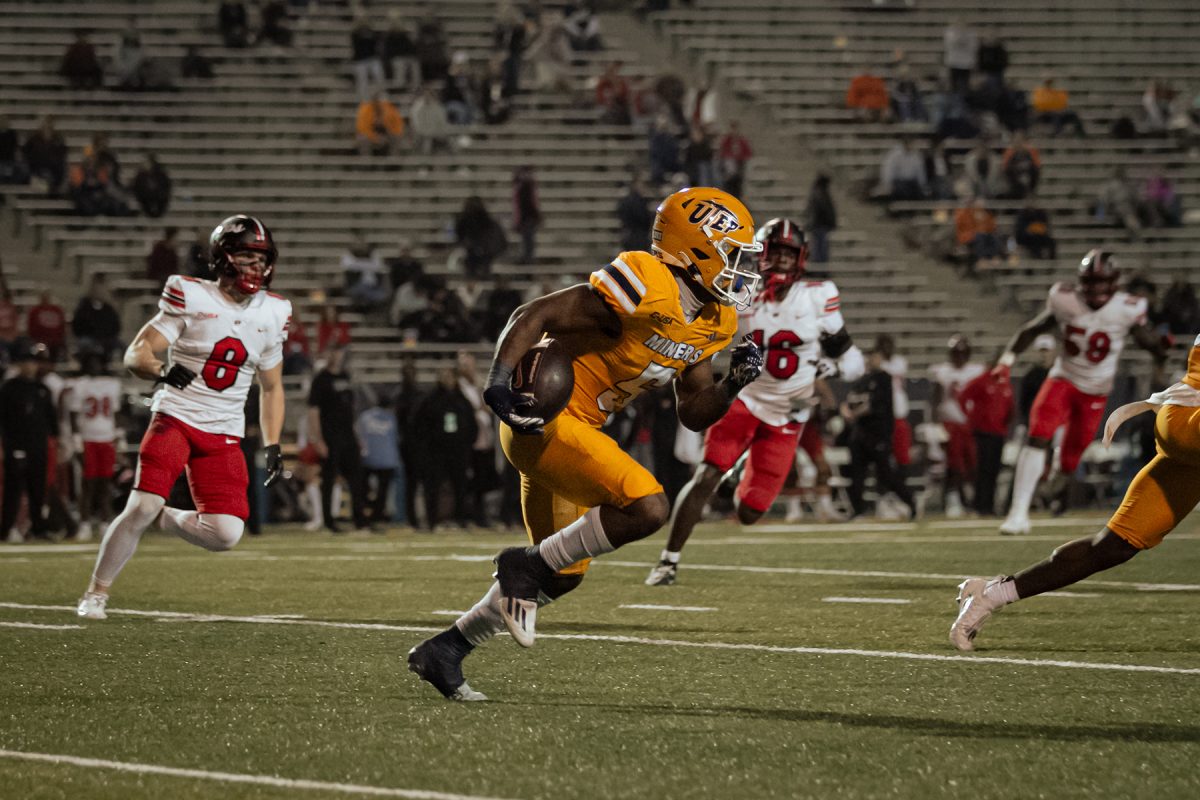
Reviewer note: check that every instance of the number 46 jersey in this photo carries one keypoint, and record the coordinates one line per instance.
(1092, 339)
(224, 343)
(789, 332)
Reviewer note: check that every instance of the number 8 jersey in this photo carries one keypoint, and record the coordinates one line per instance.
(1092, 339)
(224, 343)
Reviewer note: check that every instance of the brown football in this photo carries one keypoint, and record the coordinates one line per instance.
(546, 372)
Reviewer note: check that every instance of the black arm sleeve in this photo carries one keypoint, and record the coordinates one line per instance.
(834, 344)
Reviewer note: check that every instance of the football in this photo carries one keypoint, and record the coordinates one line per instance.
(546, 372)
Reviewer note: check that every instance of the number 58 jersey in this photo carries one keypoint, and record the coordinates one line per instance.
(224, 343)
(1092, 339)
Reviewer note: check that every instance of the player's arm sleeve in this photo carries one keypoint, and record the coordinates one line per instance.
(172, 309)
(273, 355)
(620, 286)
(835, 339)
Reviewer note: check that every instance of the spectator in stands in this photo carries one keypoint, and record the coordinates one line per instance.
(195, 261)
(1051, 105)
(297, 352)
(635, 217)
(1022, 167)
(12, 167)
(1156, 107)
(663, 150)
(233, 23)
(46, 324)
(612, 95)
(377, 429)
(583, 28)
(80, 65)
(331, 431)
(868, 409)
(494, 106)
(93, 189)
(273, 28)
(152, 187)
(460, 91)
(975, 230)
(699, 157)
(331, 330)
(430, 43)
(448, 430)
(508, 42)
(1161, 205)
(129, 62)
(735, 154)
(363, 275)
(378, 126)
(105, 157)
(10, 323)
(163, 259)
(820, 218)
(993, 59)
(399, 53)
(28, 421)
(1031, 230)
(364, 59)
(902, 174)
(481, 237)
(429, 122)
(404, 271)
(1117, 203)
(444, 319)
(550, 53)
(988, 403)
(1181, 309)
(960, 53)
(700, 102)
(868, 97)
(669, 92)
(45, 154)
(483, 448)
(939, 171)
(526, 212)
(981, 172)
(501, 302)
(195, 64)
(906, 100)
(96, 324)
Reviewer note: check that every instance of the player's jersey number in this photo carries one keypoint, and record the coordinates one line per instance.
(221, 367)
(1094, 348)
(615, 398)
(97, 407)
(780, 352)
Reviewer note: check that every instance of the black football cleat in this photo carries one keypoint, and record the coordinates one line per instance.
(440, 665)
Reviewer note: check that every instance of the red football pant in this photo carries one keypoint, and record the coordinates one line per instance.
(902, 442)
(99, 460)
(772, 452)
(1059, 403)
(216, 468)
(960, 448)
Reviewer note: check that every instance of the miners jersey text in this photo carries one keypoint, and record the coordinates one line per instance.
(95, 401)
(789, 333)
(224, 343)
(656, 342)
(1092, 339)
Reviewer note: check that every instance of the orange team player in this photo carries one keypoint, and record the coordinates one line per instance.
(1157, 500)
(643, 320)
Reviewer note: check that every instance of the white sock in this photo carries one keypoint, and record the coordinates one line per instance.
(211, 531)
(794, 509)
(483, 621)
(313, 493)
(583, 538)
(1001, 592)
(335, 502)
(122, 537)
(1030, 463)
(670, 556)
(825, 503)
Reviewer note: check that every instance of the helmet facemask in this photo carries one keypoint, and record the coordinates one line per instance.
(734, 285)
(249, 275)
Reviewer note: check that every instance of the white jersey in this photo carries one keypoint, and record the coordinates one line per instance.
(897, 367)
(789, 332)
(95, 401)
(952, 379)
(224, 343)
(1092, 339)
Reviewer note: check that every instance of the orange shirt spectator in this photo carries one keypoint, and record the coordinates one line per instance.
(868, 92)
(971, 221)
(1047, 99)
(377, 119)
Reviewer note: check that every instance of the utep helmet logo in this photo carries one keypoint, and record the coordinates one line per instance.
(713, 215)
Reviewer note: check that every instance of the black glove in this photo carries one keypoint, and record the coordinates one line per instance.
(178, 376)
(745, 365)
(507, 404)
(274, 464)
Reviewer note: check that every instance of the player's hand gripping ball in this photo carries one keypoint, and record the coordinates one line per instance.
(540, 388)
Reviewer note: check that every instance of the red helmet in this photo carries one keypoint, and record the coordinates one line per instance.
(1098, 275)
(782, 233)
(236, 234)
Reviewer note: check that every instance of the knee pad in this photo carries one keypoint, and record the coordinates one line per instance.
(144, 506)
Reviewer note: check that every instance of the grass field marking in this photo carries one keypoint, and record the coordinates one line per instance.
(886, 601)
(656, 607)
(236, 777)
(1061, 593)
(590, 637)
(39, 626)
(447, 612)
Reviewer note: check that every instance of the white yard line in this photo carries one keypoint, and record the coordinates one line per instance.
(39, 626)
(761, 648)
(235, 777)
(655, 607)
(884, 601)
(447, 612)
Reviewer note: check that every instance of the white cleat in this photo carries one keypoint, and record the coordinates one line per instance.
(662, 575)
(1018, 526)
(973, 610)
(520, 617)
(84, 534)
(91, 606)
(15, 537)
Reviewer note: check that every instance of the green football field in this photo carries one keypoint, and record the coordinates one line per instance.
(789, 661)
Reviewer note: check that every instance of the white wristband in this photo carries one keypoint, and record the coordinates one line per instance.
(1007, 359)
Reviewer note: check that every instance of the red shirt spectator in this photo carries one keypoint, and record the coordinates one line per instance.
(988, 403)
(331, 330)
(163, 260)
(867, 91)
(612, 87)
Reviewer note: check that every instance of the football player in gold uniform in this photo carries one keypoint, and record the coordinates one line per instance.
(643, 320)
(1158, 499)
